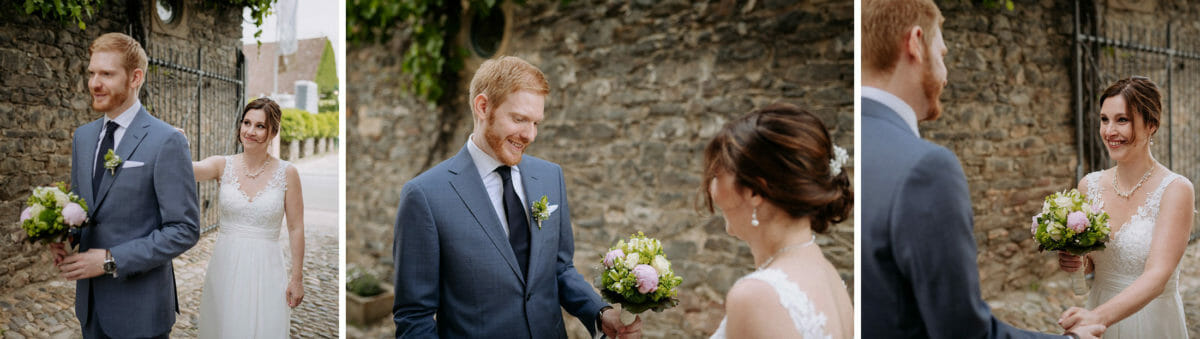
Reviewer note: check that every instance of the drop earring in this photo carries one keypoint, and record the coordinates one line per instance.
(754, 217)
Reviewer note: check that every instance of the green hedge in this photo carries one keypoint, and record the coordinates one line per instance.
(299, 125)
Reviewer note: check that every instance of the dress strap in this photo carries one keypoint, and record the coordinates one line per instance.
(1093, 188)
(1155, 199)
(227, 175)
(800, 309)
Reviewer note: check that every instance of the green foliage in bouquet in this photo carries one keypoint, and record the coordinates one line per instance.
(619, 281)
(44, 221)
(1068, 222)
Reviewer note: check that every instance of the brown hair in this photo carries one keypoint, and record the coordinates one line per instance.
(269, 108)
(1142, 99)
(133, 55)
(782, 153)
(886, 22)
(501, 76)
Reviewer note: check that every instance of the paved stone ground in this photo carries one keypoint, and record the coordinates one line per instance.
(1039, 310)
(46, 310)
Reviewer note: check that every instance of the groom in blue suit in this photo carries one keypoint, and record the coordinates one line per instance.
(473, 258)
(141, 203)
(918, 244)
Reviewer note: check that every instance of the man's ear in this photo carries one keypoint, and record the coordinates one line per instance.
(914, 44)
(137, 78)
(479, 106)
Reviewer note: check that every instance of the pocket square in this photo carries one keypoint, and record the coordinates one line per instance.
(132, 164)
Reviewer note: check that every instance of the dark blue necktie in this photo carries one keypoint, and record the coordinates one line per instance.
(107, 144)
(518, 224)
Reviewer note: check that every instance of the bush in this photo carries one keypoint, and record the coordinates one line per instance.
(299, 125)
(363, 283)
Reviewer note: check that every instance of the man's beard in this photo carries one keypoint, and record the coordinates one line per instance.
(115, 99)
(932, 89)
(496, 142)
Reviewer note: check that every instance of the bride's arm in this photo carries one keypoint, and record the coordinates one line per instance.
(209, 169)
(293, 207)
(1166, 248)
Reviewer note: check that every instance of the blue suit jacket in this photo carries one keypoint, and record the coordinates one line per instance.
(920, 278)
(145, 216)
(453, 259)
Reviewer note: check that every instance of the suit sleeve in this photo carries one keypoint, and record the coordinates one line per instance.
(175, 189)
(416, 252)
(575, 294)
(935, 250)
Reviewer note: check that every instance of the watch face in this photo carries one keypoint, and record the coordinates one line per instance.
(109, 267)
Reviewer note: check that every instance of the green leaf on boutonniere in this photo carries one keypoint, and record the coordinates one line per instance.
(541, 211)
(111, 161)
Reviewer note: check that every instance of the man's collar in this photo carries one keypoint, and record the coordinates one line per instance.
(126, 117)
(893, 102)
(484, 163)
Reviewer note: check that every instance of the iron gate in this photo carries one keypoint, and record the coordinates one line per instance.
(202, 92)
(1105, 53)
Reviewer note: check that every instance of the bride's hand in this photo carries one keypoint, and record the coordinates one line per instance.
(1077, 319)
(295, 293)
(1089, 331)
(1069, 262)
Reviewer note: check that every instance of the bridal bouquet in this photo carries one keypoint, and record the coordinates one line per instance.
(52, 211)
(637, 275)
(1069, 223)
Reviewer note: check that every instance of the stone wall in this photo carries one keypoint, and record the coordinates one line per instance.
(44, 97)
(637, 89)
(1009, 116)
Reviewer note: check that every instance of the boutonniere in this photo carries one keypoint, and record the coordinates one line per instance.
(542, 210)
(111, 161)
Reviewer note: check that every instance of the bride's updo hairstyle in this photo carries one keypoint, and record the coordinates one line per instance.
(783, 154)
(1142, 99)
(270, 110)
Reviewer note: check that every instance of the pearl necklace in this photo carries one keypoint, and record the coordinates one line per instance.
(788, 248)
(1125, 195)
(256, 173)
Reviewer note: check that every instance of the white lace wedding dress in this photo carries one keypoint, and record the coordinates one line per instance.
(246, 282)
(1122, 262)
(808, 322)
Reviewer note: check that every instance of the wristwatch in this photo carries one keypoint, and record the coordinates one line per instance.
(110, 265)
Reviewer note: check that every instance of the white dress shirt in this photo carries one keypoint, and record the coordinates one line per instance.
(895, 103)
(123, 121)
(486, 165)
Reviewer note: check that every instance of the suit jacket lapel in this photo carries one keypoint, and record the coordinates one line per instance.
(90, 140)
(534, 190)
(129, 143)
(470, 190)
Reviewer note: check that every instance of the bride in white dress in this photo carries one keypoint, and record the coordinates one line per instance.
(776, 177)
(247, 292)
(1150, 208)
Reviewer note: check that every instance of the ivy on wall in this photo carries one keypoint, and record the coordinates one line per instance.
(75, 10)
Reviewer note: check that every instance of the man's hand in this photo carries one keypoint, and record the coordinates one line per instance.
(60, 252)
(610, 324)
(83, 265)
(1088, 331)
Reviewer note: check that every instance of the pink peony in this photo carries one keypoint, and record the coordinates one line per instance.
(1077, 221)
(73, 214)
(612, 256)
(26, 214)
(647, 278)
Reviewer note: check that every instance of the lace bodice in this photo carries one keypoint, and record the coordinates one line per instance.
(808, 322)
(1128, 247)
(260, 216)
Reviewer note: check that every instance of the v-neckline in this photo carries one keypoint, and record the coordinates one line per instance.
(237, 182)
(1136, 210)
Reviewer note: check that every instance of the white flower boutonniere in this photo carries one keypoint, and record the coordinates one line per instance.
(111, 161)
(542, 210)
